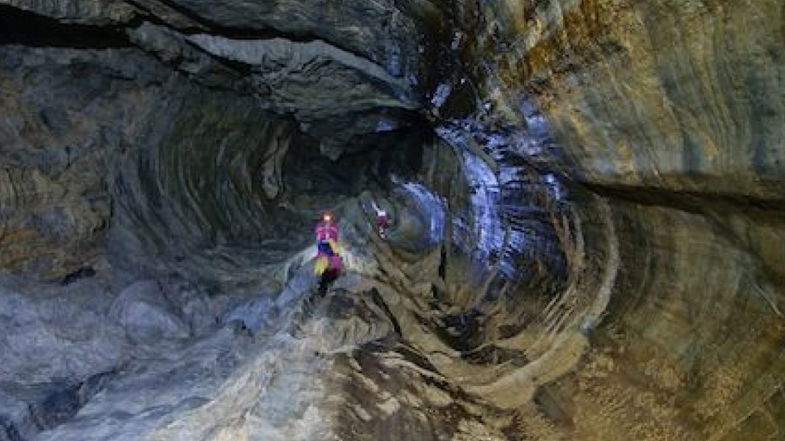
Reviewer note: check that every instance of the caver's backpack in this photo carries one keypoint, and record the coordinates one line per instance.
(328, 257)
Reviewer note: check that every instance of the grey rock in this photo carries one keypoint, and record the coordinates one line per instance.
(146, 315)
(79, 11)
(68, 324)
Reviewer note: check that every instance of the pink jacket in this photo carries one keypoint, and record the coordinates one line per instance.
(326, 231)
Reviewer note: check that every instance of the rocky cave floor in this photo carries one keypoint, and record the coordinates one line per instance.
(163, 359)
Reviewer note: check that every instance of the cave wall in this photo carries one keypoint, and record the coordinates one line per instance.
(176, 138)
(672, 113)
(646, 292)
(58, 145)
(81, 124)
(680, 96)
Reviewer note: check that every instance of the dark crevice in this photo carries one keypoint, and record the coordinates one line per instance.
(9, 430)
(442, 271)
(61, 406)
(693, 201)
(228, 31)
(29, 29)
(53, 409)
(81, 273)
(379, 301)
(150, 16)
(244, 69)
(211, 27)
(461, 331)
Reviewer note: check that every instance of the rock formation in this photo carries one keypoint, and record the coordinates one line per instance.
(588, 236)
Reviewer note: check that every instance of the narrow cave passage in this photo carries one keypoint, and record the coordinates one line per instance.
(583, 240)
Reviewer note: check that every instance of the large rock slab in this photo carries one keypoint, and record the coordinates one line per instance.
(146, 315)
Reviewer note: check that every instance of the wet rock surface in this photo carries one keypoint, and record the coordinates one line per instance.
(586, 237)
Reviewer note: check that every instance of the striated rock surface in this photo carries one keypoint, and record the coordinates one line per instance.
(587, 239)
(670, 112)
